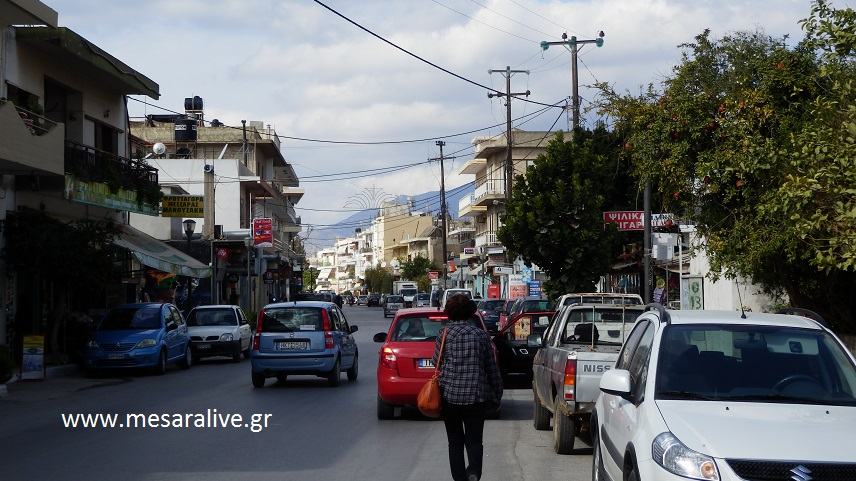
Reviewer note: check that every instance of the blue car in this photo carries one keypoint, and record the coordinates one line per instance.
(304, 337)
(147, 335)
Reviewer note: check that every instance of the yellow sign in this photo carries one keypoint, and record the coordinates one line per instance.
(182, 206)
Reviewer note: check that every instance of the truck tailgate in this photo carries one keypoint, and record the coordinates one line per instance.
(590, 368)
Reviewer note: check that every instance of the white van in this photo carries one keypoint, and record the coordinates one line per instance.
(448, 293)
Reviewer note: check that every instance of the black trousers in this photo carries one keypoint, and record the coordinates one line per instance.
(464, 429)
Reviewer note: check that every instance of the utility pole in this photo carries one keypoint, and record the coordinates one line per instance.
(443, 210)
(208, 203)
(509, 164)
(573, 45)
(646, 259)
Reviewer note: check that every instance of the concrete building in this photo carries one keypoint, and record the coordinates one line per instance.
(487, 203)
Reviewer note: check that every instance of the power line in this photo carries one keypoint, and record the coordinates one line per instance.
(539, 15)
(485, 23)
(408, 52)
(509, 18)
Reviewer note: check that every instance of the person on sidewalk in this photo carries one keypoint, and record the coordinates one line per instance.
(470, 386)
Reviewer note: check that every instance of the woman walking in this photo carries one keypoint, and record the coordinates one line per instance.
(470, 385)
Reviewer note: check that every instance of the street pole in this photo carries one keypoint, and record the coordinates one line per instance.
(646, 205)
(573, 44)
(208, 204)
(441, 143)
(509, 163)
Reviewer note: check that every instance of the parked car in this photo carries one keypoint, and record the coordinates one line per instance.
(526, 304)
(513, 347)
(722, 395)
(148, 334)
(392, 305)
(490, 310)
(362, 300)
(373, 300)
(407, 357)
(448, 293)
(503, 313)
(219, 331)
(307, 337)
(579, 346)
(423, 299)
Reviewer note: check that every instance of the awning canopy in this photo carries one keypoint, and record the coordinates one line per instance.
(325, 273)
(154, 253)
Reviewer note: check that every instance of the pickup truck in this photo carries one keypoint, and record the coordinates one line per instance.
(514, 351)
(581, 343)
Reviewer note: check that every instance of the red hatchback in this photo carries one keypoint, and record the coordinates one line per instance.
(407, 357)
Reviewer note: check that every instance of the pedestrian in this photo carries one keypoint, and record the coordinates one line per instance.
(470, 386)
(338, 300)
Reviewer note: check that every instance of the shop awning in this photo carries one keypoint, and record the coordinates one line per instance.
(325, 273)
(154, 253)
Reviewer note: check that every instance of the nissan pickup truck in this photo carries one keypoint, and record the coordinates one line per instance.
(581, 343)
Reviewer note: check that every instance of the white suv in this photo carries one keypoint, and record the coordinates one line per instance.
(716, 396)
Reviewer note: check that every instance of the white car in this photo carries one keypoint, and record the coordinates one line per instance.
(392, 305)
(713, 395)
(448, 293)
(219, 331)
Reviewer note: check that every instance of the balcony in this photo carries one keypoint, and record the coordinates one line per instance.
(473, 166)
(97, 177)
(30, 142)
(492, 190)
(487, 239)
(467, 206)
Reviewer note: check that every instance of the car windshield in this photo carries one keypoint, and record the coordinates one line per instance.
(394, 299)
(599, 325)
(131, 318)
(407, 292)
(526, 325)
(491, 306)
(754, 364)
(292, 318)
(423, 297)
(422, 328)
(212, 317)
(535, 305)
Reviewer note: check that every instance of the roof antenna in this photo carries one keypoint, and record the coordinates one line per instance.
(740, 298)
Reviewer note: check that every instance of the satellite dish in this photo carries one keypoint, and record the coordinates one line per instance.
(159, 149)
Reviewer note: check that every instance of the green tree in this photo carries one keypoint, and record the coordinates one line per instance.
(413, 268)
(423, 283)
(378, 279)
(555, 216)
(753, 140)
(310, 278)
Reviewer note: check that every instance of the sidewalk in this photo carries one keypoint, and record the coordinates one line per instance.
(60, 381)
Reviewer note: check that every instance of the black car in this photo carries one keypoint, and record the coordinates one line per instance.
(514, 353)
(490, 310)
(373, 300)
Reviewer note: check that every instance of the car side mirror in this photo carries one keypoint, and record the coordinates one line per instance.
(354, 329)
(616, 382)
(534, 341)
(379, 337)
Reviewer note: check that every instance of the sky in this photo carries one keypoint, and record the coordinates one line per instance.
(297, 66)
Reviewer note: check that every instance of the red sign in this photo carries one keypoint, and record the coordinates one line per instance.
(433, 275)
(625, 219)
(493, 291)
(452, 266)
(222, 254)
(263, 232)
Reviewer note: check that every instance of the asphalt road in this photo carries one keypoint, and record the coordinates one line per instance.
(315, 432)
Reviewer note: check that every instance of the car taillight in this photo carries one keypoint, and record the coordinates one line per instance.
(328, 329)
(388, 359)
(570, 378)
(257, 336)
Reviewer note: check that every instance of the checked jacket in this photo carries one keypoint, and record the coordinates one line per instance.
(468, 370)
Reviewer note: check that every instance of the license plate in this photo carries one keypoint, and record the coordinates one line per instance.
(203, 346)
(115, 356)
(425, 363)
(292, 346)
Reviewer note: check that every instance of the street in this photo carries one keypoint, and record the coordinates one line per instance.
(315, 432)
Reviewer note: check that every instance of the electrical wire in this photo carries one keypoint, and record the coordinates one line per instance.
(509, 18)
(408, 52)
(485, 23)
(541, 16)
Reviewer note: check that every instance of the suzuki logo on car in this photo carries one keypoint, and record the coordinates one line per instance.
(801, 473)
(598, 368)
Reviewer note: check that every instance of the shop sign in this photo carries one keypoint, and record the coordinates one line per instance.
(535, 288)
(268, 277)
(182, 206)
(625, 219)
(263, 232)
(502, 271)
(493, 291)
(98, 193)
(33, 359)
(516, 287)
(433, 275)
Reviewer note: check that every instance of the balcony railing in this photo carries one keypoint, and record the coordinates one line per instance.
(491, 188)
(36, 124)
(486, 239)
(93, 165)
(466, 201)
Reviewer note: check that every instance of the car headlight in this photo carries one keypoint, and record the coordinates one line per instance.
(92, 344)
(673, 456)
(226, 337)
(145, 343)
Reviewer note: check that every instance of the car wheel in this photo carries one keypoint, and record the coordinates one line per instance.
(160, 369)
(384, 410)
(258, 380)
(563, 430)
(540, 414)
(334, 378)
(597, 473)
(354, 370)
(188, 357)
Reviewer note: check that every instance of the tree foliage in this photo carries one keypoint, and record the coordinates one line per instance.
(413, 268)
(310, 279)
(555, 216)
(378, 279)
(753, 140)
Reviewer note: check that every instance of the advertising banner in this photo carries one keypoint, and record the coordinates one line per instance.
(433, 275)
(516, 287)
(493, 291)
(635, 219)
(33, 359)
(535, 288)
(182, 206)
(263, 232)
